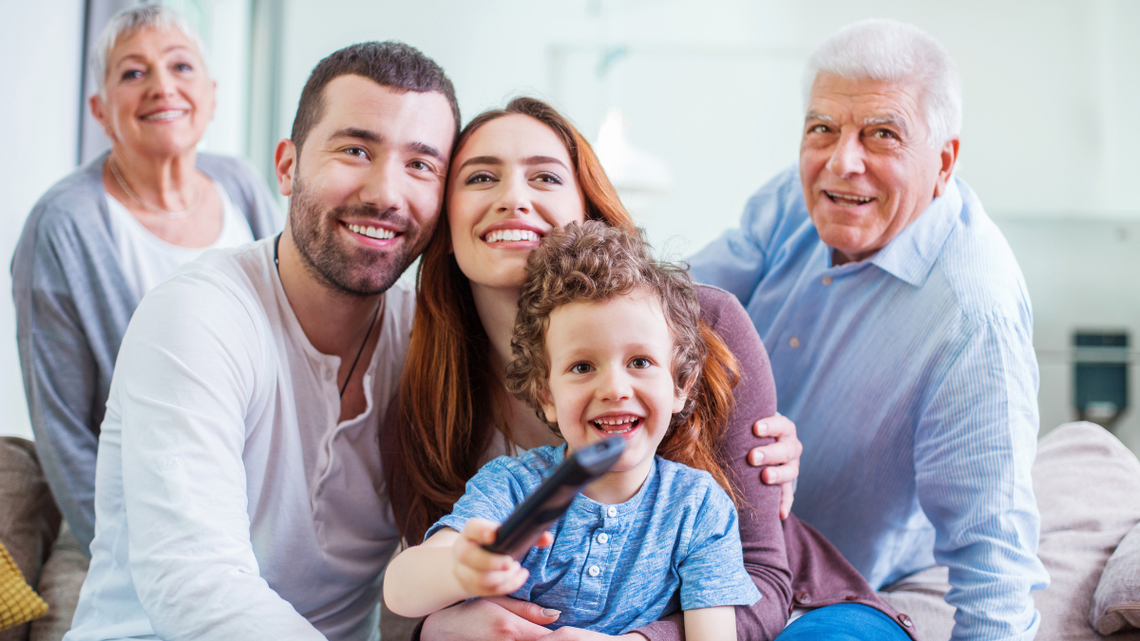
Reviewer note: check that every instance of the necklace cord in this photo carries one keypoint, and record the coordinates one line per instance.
(173, 215)
(371, 326)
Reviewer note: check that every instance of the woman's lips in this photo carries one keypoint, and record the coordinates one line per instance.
(511, 236)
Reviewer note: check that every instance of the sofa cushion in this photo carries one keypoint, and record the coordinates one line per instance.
(1116, 603)
(1087, 485)
(29, 519)
(18, 602)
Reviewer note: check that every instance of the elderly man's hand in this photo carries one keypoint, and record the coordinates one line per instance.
(783, 457)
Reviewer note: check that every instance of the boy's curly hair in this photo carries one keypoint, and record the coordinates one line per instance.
(594, 262)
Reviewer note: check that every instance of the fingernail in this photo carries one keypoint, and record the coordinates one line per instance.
(761, 429)
(757, 458)
(548, 612)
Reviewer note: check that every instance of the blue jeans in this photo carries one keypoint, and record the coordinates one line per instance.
(844, 622)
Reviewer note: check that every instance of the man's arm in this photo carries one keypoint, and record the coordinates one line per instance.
(192, 364)
(974, 450)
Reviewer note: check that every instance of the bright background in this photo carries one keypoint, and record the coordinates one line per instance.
(710, 88)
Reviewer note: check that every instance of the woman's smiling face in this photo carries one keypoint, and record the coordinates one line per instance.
(159, 98)
(511, 183)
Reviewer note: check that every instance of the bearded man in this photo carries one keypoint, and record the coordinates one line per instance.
(236, 483)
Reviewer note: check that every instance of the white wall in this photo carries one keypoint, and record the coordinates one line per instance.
(40, 74)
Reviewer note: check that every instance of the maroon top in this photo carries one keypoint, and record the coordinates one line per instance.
(818, 573)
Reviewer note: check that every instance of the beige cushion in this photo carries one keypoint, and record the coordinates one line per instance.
(1087, 485)
(1116, 604)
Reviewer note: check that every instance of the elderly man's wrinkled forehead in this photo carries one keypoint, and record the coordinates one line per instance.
(867, 102)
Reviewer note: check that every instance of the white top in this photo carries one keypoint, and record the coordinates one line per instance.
(147, 260)
(230, 503)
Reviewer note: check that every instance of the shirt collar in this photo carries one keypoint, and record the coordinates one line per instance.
(911, 255)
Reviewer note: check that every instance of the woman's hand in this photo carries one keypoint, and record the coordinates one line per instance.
(489, 619)
(783, 456)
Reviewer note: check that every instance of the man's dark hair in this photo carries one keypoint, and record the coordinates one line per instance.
(390, 64)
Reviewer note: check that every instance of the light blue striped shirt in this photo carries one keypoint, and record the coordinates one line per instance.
(615, 568)
(912, 381)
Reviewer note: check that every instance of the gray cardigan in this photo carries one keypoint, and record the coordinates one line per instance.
(72, 308)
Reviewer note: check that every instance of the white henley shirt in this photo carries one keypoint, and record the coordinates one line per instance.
(230, 502)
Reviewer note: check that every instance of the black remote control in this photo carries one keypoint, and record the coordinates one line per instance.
(518, 534)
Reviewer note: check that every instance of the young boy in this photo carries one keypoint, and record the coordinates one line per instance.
(607, 341)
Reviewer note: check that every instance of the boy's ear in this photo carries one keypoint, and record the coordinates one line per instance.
(682, 394)
(679, 401)
(548, 407)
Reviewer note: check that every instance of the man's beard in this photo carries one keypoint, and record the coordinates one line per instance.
(355, 271)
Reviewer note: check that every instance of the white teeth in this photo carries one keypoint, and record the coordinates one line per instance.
(373, 232)
(861, 200)
(165, 115)
(510, 236)
(608, 425)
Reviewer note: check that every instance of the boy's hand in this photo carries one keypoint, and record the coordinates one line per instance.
(482, 573)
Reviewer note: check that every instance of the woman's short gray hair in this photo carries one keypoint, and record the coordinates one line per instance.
(126, 23)
(897, 52)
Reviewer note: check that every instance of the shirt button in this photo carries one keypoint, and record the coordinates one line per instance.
(826, 280)
(594, 570)
(905, 620)
(794, 342)
(603, 537)
(611, 511)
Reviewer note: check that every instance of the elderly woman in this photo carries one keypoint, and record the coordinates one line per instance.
(103, 236)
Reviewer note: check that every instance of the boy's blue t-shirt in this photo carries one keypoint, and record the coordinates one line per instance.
(615, 568)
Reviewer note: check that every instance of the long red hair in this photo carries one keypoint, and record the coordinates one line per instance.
(451, 400)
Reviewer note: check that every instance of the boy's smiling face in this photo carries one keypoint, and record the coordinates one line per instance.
(611, 374)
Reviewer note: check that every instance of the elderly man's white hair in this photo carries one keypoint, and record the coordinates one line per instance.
(897, 52)
(126, 23)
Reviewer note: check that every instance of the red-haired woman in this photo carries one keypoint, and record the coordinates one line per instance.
(516, 174)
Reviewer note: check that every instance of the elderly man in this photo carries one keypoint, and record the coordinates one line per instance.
(899, 330)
